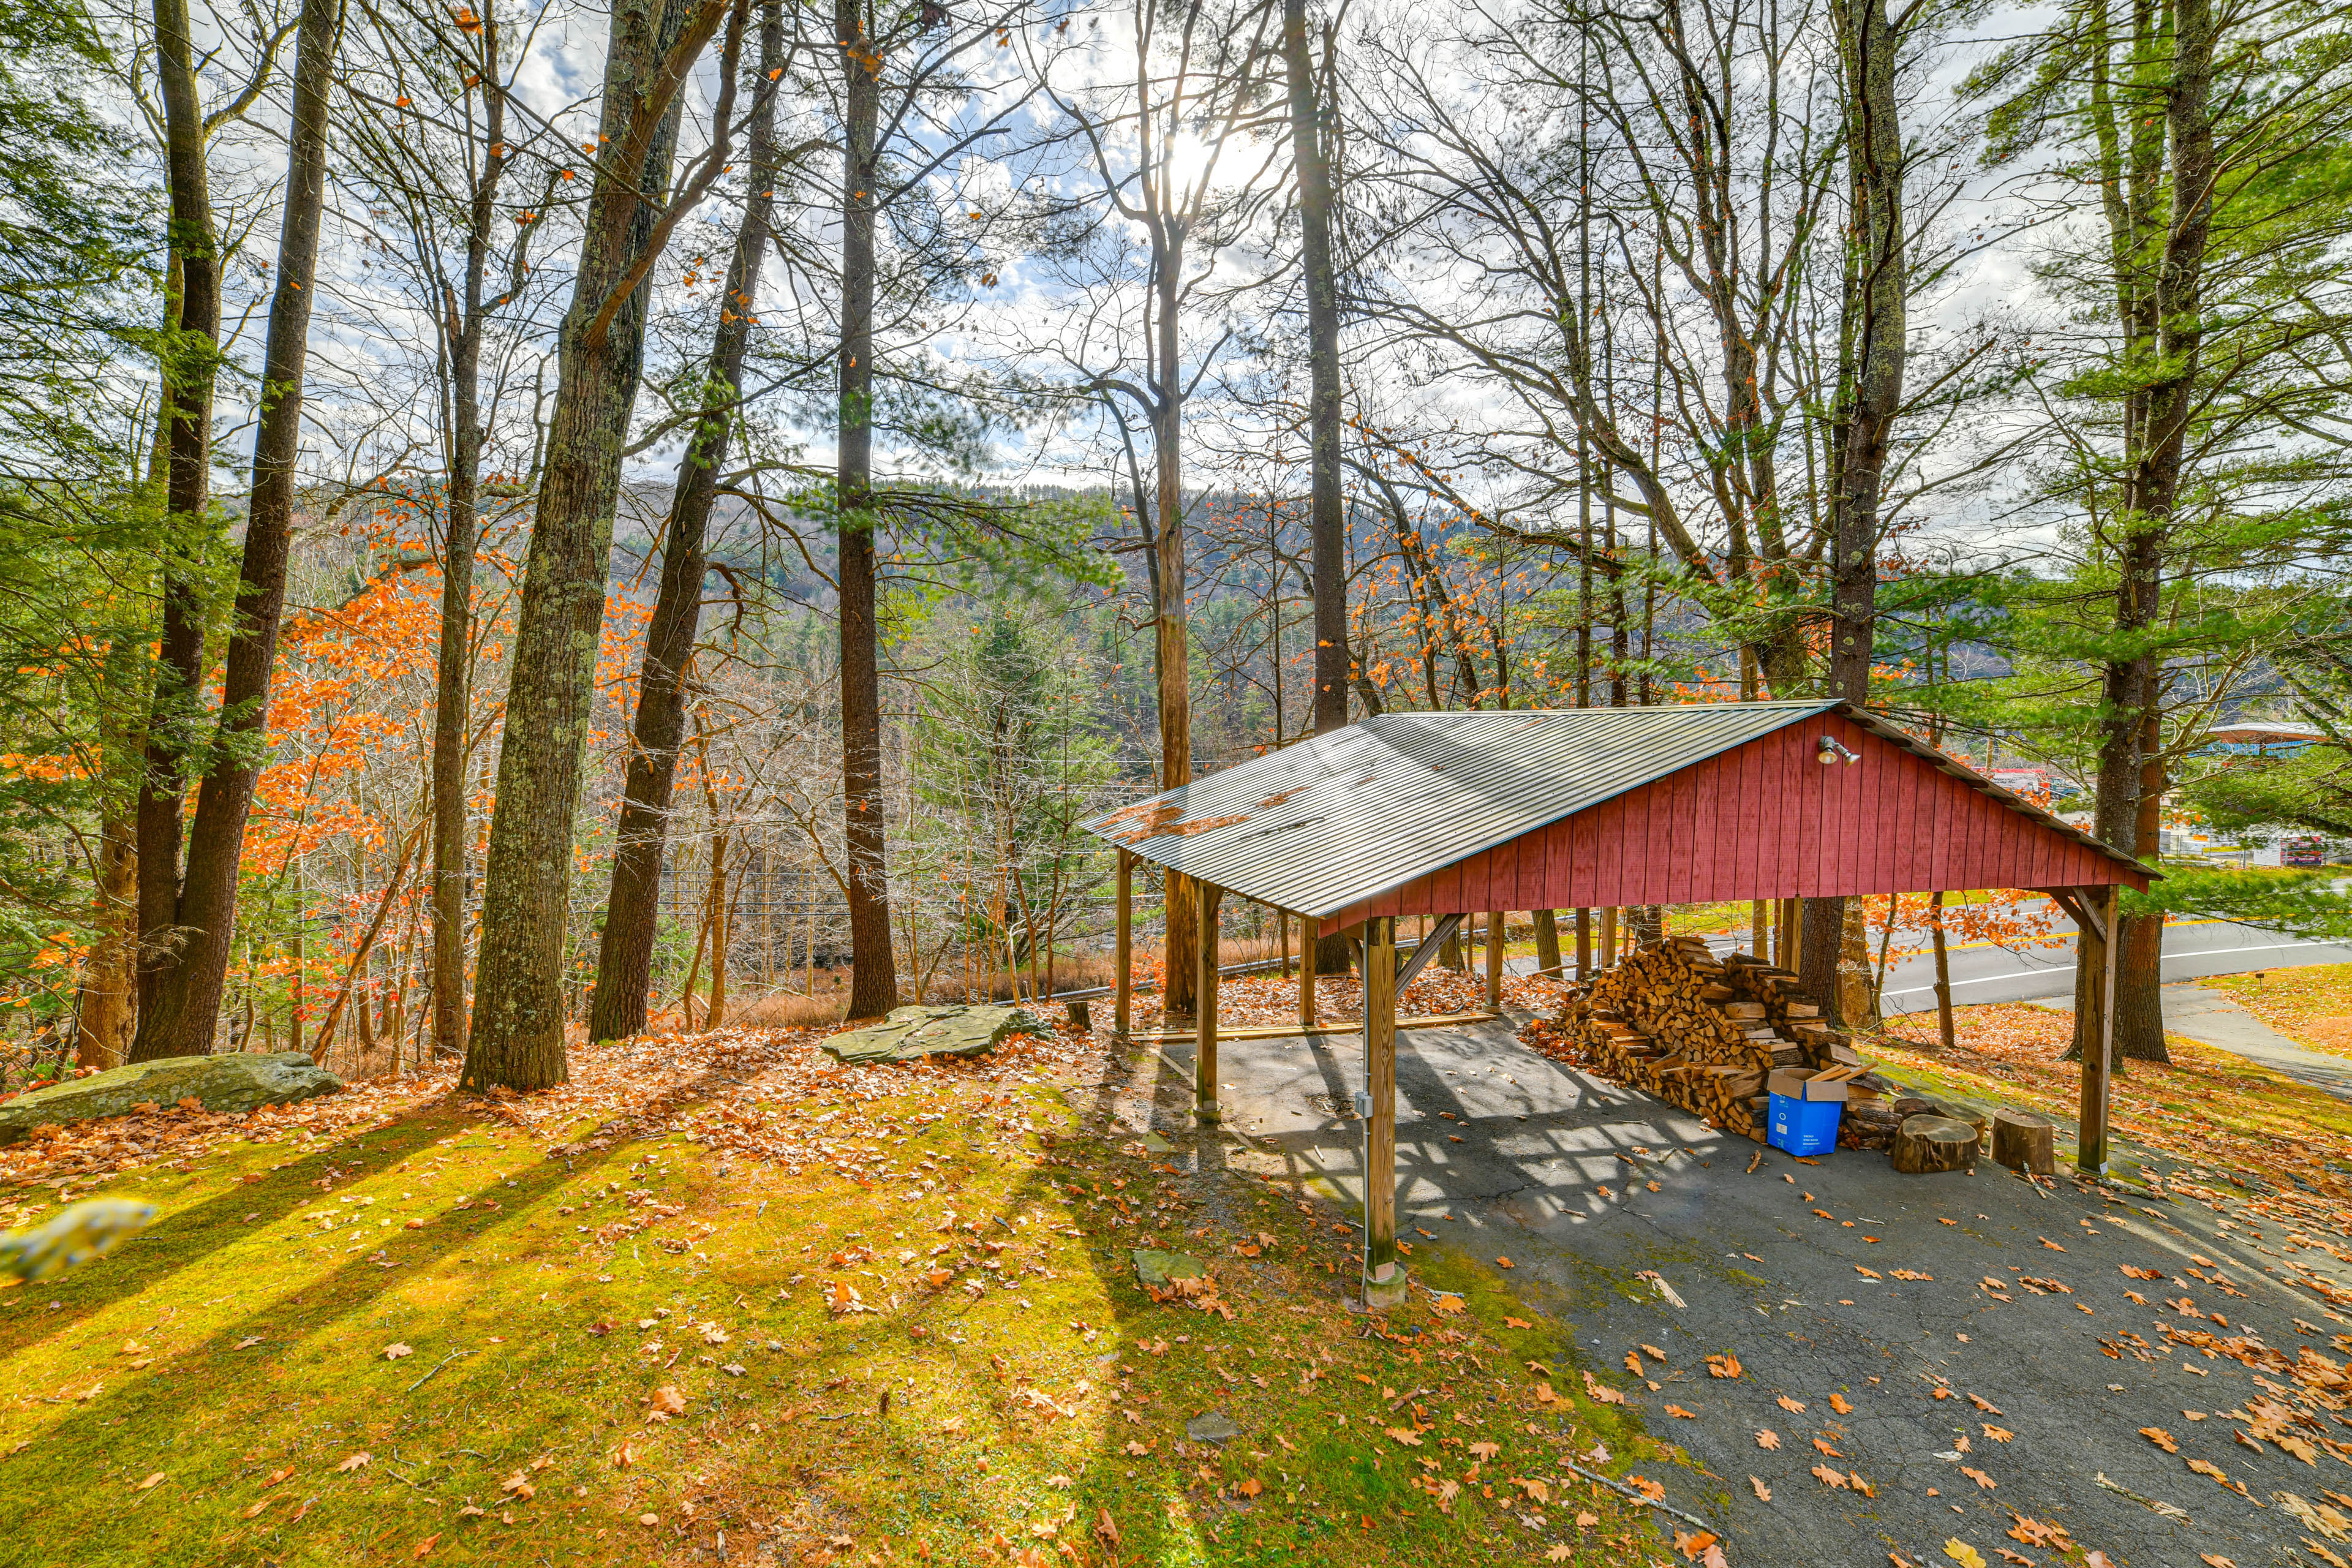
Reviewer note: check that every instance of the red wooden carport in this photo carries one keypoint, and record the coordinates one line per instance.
(1447, 813)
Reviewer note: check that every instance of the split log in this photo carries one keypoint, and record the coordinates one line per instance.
(1928, 1143)
(2024, 1142)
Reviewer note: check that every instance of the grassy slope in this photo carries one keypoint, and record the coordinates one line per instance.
(238, 1352)
(2312, 1007)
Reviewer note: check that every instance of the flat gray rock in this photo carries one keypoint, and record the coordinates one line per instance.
(928, 1031)
(233, 1082)
(1157, 1269)
(1212, 1426)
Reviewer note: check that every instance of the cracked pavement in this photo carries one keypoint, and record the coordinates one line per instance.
(1504, 1153)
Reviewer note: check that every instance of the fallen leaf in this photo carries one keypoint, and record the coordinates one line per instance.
(1794, 1405)
(1829, 1478)
(1843, 1405)
(1767, 1438)
(151, 1481)
(1678, 1410)
(1634, 1363)
(1823, 1445)
(1516, 1323)
(1405, 1436)
(1981, 1479)
(1251, 1486)
(1692, 1545)
(1485, 1451)
(356, 1462)
(1962, 1553)
(1655, 1490)
(1557, 1552)
(1445, 1304)
(2212, 1560)
(274, 1477)
(1763, 1493)
(2161, 1438)
(1723, 1365)
(1503, 1263)
(668, 1400)
(393, 1352)
(1987, 1405)
(1997, 1434)
(1587, 1521)
(424, 1546)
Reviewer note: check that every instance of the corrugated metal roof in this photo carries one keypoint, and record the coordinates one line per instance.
(1343, 818)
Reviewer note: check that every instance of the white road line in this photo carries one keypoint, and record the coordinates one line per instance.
(2068, 968)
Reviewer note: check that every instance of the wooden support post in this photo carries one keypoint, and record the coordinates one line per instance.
(1583, 945)
(1310, 937)
(1791, 920)
(1607, 938)
(1123, 950)
(1758, 924)
(1205, 1032)
(1383, 1281)
(1498, 926)
(2098, 951)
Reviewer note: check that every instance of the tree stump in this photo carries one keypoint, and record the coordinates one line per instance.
(1082, 1016)
(2024, 1142)
(1926, 1144)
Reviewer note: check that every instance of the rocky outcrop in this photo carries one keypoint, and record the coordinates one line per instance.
(234, 1082)
(911, 1032)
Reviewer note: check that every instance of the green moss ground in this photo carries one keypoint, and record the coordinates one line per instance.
(1020, 1412)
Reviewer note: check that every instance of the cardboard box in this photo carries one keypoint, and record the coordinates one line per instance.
(1796, 1083)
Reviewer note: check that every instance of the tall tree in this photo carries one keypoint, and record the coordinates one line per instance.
(624, 953)
(183, 1003)
(1871, 340)
(1318, 204)
(874, 975)
(2189, 385)
(1161, 159)
(191, 351)
(517, 1038)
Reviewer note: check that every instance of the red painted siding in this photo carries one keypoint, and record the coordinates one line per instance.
(1765, 821)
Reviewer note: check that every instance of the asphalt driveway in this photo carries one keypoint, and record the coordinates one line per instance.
(1584, 1185)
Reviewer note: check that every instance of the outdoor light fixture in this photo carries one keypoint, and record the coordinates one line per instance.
(1831, 750)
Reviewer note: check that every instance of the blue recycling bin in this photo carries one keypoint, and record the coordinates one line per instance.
(1804, 1126)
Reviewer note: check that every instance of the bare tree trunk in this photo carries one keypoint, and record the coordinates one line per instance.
(625, 951)
(1943, 972)
(518, 1006)
(2139, 972)
(1821, 934)
(190, 361)
(454, 666)
(1328, 523)
(873, 962)
(183, 1004)
(1547, 943)
(1172, 642)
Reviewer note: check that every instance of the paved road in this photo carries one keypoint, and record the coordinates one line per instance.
(1505, 1152)
(1998, 974)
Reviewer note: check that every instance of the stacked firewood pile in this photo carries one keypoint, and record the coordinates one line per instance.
(1703, 1033)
